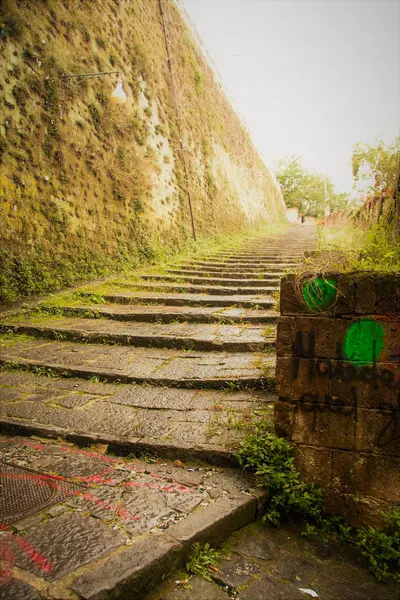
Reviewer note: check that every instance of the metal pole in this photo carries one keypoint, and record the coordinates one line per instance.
(97, 74)
(177, 116)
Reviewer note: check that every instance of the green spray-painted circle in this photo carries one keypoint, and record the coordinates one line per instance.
(364, 342)
(319, 293)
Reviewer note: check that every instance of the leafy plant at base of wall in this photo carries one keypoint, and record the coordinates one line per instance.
(381, 549)
(270, 457)
(202, 559)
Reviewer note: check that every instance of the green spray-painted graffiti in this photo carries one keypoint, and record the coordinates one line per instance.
(364, 342)
(319, 294)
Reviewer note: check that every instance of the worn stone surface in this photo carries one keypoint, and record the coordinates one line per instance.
(162, 314)
(197, 342)
(246, 338)
(143, 365)
(124, 528)
(118, 413)
(218, 290)
(236, 572)
(183, 299)
(14, 589)
(67, 542)
(261, 562)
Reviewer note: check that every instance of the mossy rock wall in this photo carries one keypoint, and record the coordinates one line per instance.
(88, 188)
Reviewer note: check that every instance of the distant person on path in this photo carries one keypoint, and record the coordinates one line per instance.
(302, 219)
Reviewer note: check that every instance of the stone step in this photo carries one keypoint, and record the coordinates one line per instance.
(249, 264)
(107, 526)
(258, 259)
(281, 250)
(169, 422)
(162, 314)
(232, 268)
(258, 255)
(159, 367)
(256, 301)
(189, 336)
(214, 271)
(217, 281)
(186, 288)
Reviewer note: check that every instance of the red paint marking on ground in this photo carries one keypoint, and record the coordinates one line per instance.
(127, 516)
(100, 480)
(97, 478)
(40, 479)
(111, 507)
(41, 447)
(33, 554)
(7, 559)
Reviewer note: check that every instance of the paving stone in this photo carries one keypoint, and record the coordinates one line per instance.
(297, 570)
(211, 414)
(10, 394)
(222, 518)
(135, 570)
(272, 588)
(15, 589)
(77, 400)
(254, 547)
(203, 300)
(16, 378)
(199, 589)
(343, 582)
(217, 281)
(235, 572)
(139, 364)
(156, 398)
(67, 542)
(218, 290)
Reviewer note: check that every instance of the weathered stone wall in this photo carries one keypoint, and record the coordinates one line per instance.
(376, 210)
(86, 187)
(338, 381)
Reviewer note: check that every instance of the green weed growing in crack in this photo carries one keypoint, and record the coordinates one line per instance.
(45, 371)
(259, 361)
(276, 297)
(382, 548)
(269, 330)
(270, 457)
(91, 297)
(202, 560)
(57, 335)
(231, 387)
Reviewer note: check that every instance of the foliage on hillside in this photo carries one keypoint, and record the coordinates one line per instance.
(87, 188)
(377, 167)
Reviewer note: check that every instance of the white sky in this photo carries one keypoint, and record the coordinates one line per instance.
(310, 77)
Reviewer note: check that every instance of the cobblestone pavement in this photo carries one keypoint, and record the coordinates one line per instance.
(189, 423)
(76, 521)
(197, 342)
(261, 562)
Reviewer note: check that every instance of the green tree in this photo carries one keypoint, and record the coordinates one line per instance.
(309, 192)
(291, 177)
(376, 168)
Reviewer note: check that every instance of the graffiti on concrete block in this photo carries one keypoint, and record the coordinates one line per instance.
(364, 342)
(338, 385)
(319, 294)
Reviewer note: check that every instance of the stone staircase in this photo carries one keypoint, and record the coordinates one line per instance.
(178, 365)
